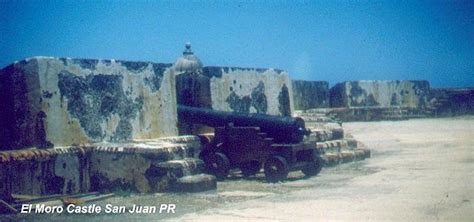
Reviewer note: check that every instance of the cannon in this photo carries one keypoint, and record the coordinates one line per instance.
(250, 141)
(281, 129)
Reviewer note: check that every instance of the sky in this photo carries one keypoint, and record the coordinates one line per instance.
(331, 40)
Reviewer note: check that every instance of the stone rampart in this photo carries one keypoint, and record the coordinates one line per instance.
(50, 102)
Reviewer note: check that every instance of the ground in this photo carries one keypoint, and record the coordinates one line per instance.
(420, 170)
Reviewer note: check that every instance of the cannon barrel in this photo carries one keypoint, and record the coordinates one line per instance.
(281, 129)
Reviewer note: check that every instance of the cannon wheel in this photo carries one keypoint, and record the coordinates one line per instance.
(314, 167)
(276, 169)
(250, 168)
(218, 164)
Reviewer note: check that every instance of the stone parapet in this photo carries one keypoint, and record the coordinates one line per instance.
(310, 94)
(53, 102)
(376, 93)
(452, 101)
(236, 89)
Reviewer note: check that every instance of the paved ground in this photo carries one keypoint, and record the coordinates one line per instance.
(420, 170)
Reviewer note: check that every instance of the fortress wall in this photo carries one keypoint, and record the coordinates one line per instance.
(310, 94)
(60, 101)
(452, 101)
(406, 94)
(250, 90)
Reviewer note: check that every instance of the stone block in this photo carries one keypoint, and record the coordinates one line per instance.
(145, 166)
(452, 101)
(250, 90)
(331, 159)
(405, 93)
(359, 154)
(367, 153)
(310, 94)
(347, 156)
(181, 168)
(60, 101)
(44, 172)
(337, 133)
(195, 183)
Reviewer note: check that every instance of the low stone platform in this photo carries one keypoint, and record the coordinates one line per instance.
(144, 166)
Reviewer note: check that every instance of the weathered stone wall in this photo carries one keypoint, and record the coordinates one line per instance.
(47, 171)
(250, 90)
(407, 94)
(143, 166)
(310, 94)
(452, 101)
(246, 90)
(58, 102)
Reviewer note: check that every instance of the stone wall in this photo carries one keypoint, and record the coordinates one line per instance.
(250, 90)
(452, 101)
(231, 89)
(310, 94)
(50, 102)
(406, 94)
(46, 171)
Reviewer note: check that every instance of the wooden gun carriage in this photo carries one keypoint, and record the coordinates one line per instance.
(250, 141)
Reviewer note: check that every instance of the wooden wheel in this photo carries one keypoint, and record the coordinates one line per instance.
(276, 169)
(218, 164)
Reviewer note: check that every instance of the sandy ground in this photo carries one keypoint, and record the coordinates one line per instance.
(420, 170)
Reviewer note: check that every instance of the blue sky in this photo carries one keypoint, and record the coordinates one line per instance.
(313, 40)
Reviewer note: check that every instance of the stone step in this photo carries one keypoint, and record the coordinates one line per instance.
(181, 168)
(321, 135)
(313, 111)
(318, 118)
(337, 145)
(345, 156)
(194, 183)
(161, 150)
(132, 172)
(312, 115)
(331, 146)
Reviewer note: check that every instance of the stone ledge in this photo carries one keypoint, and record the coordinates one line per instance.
(346, 156)
(141, 165)
(40, 154)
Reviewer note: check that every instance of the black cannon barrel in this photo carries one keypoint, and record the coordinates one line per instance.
(281, 129)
